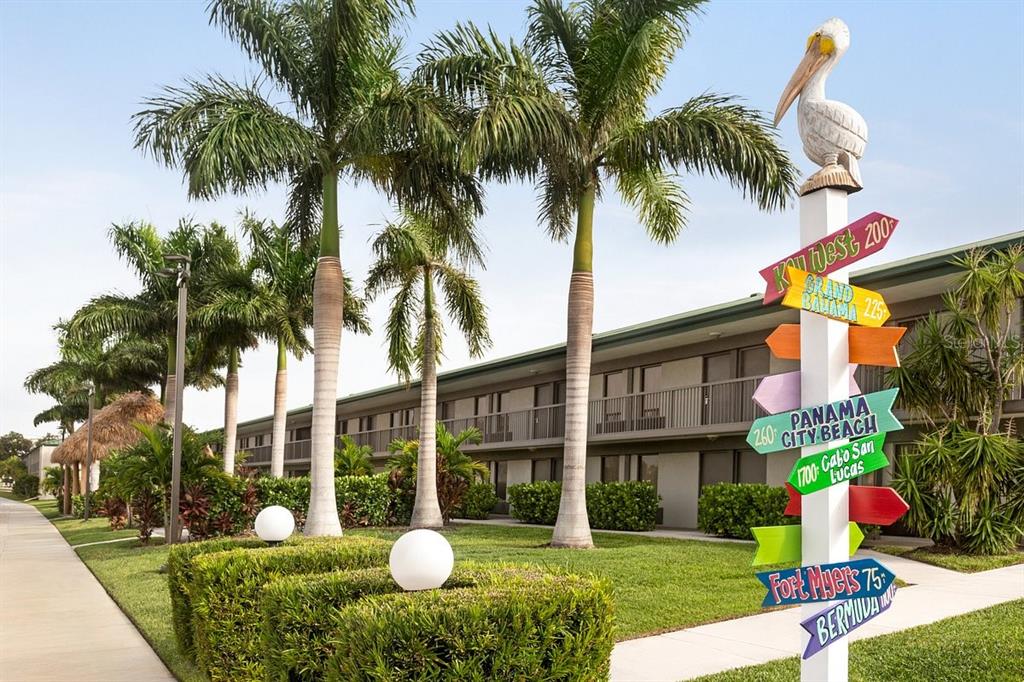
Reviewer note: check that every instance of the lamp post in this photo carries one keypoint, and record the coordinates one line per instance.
(91, 388)
(181, 272)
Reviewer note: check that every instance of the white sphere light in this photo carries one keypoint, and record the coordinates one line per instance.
(274, 523)
(421, 560)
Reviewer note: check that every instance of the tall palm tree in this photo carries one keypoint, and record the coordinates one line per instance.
(273, 295)
(349, 114)
(419, 260)
(568, 109)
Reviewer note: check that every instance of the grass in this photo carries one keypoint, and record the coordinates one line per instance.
(77, 531)
(983, 645)
(944, 558)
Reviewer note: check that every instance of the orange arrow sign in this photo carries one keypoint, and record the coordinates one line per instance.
(837, 300)
(868, 345)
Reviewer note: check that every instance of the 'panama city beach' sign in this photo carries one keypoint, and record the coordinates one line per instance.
(857, 240)
(835, 300)
(856, 417)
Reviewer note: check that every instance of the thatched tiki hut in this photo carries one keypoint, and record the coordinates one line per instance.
(113, 428)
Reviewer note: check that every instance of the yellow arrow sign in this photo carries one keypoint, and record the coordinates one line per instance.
(833, 299)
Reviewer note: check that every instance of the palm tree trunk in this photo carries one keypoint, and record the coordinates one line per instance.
(328, 299)
(426, 511)
(280, 412)
(230, 412)
(68, 476)
(572, 527)
(169, 393)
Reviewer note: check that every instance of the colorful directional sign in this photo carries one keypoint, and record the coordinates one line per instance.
(835, 465)
(781, 544)
(857, 240)
(870, 504)
(856, 417)
(826, 582)
(835, 300)
(839, 619)
(868, 345)
(781, 392)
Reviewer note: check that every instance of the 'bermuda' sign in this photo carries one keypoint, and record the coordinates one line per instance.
(826, 582)
(838, 620)
(835, 300)
(835, 465)
(856, 417)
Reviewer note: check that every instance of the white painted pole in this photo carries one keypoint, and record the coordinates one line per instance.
(825, 378)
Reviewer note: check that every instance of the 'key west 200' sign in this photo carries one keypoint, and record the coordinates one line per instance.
(856, 417)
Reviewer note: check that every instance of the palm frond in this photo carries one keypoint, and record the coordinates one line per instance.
(659, 201)
(464, 303)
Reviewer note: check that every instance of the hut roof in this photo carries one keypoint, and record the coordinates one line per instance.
(113, 428)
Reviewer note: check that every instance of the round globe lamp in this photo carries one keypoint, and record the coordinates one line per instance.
(421, 560)
(274, 524)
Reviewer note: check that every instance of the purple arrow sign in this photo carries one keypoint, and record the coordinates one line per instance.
(857, 240)
(781, 392)
(837, 620)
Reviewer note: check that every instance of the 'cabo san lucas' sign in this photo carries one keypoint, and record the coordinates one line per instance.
(835, 300)
(856, 417)
(835, 465)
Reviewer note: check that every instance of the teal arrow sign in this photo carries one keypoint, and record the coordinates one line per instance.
(856, 417)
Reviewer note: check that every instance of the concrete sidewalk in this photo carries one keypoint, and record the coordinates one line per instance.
(935, 593)
(56, 621)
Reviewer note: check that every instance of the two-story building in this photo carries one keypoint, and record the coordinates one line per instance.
(670, 399)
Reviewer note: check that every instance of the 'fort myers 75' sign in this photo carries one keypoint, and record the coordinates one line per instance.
(856, 417)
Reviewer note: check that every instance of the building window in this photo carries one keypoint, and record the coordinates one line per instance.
(303, 433)
(732, 466)
(556, 467)
(751, 467)
(259, 441)
(543, 470)
(447, 410)
(647, 469)
(366, 423)
(755, 362)
(499, 474)
(609, 469)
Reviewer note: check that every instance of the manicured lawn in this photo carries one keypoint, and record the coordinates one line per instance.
(983, 645)
(77, 531)
(965, 563)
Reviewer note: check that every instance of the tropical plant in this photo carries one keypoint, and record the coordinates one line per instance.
(455, 470)
(352, 459)
(11, 468)
(568, 108)
(53, 480)
(349, 113)
(421, 262)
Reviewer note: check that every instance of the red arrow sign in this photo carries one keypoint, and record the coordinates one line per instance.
(869, 504)
(857, 240)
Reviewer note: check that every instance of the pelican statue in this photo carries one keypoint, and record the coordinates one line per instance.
(833, 134)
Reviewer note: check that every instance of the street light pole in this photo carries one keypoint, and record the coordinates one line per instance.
(88, 454)
(183, 272)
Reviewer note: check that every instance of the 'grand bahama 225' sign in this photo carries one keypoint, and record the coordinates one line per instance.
(856, 417)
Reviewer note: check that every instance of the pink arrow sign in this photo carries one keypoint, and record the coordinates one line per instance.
(781, 392)
(857, 240)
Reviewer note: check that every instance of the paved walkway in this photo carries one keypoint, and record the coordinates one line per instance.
(935, 593)
(56, 621)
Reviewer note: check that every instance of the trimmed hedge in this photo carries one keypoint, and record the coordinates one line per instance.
(300, 612)
(619, 505)
(523, 626)
(179, 578)
(226, 588)
(363, 500)
(477, 502)
(26, 485)
(731, 509)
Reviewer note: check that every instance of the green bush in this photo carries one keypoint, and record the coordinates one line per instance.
(290, 493)
(623, 505)
(620, 505)
(78, 504)
(523, 626)
(179, 580)
(477, 502)
(363, 500)
(26, 485)
(534, 502)
(731, 509)
(227, 586)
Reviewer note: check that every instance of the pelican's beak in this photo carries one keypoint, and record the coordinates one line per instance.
(818, 52)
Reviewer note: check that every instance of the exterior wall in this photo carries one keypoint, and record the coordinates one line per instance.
(779, 465)
(679, 487)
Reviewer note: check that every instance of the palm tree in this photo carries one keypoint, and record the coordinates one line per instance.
(352, 459)
(349, 113)
(414, 256)
(272, 294)
(568, 109)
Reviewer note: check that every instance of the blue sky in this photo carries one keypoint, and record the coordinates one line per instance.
(941, 86)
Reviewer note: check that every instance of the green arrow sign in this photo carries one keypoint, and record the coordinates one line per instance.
(781, 544)
(844, 463)
(856, 417)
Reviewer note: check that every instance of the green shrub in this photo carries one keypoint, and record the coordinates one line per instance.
(179, 580)
(226, 588)
(477, 502)
(78, 504)
(26, 485)
(290, 493)
(363, 500)
(622, 505)
(731, 509)
(523, 626)
(534, 502)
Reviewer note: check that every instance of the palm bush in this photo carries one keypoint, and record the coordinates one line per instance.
(352, 459)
